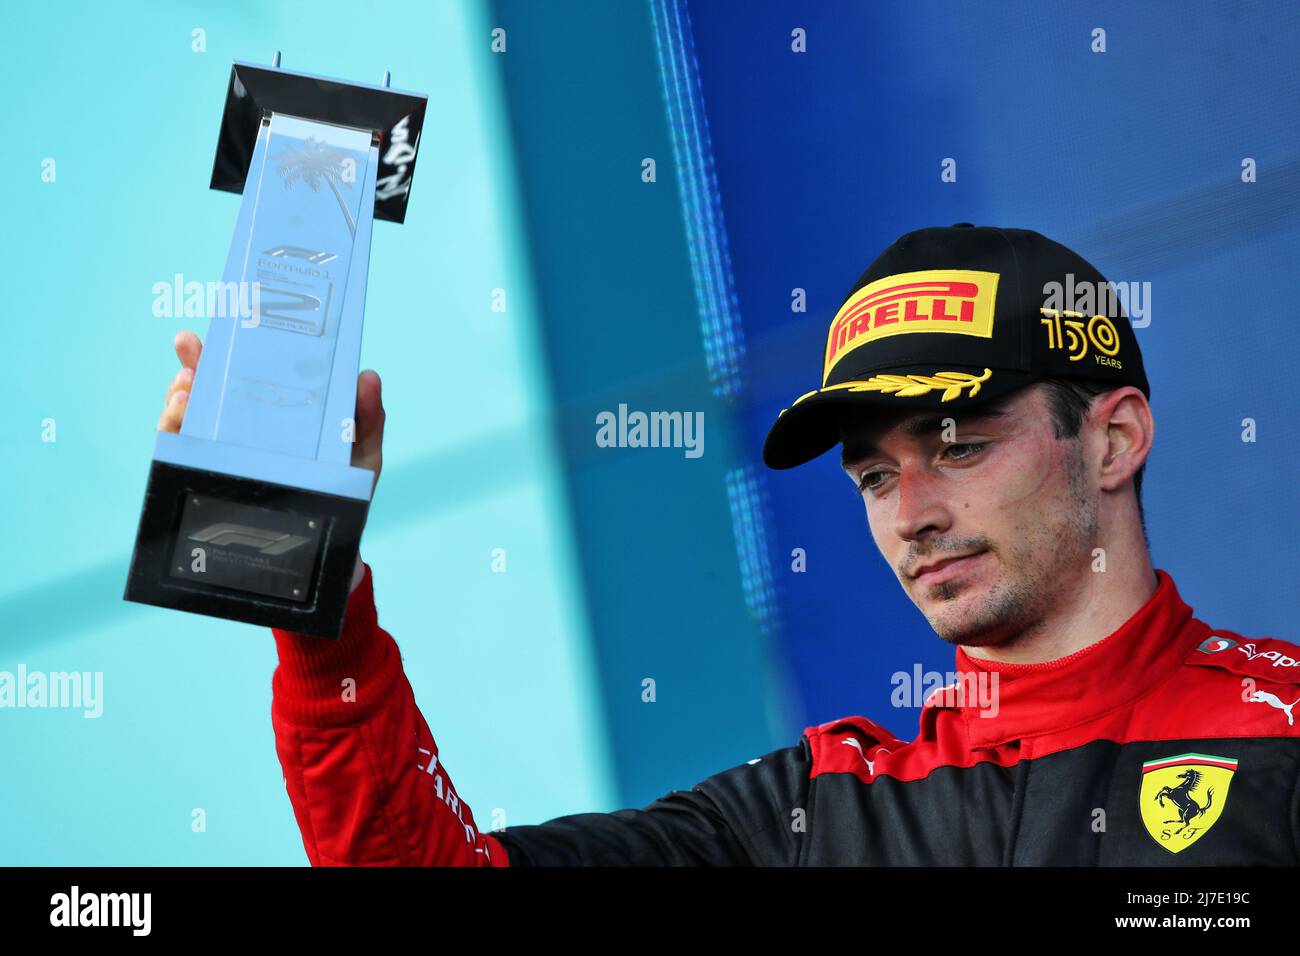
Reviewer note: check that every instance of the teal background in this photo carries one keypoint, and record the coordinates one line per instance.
(114, 94)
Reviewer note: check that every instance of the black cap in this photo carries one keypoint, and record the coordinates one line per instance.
(953, 317)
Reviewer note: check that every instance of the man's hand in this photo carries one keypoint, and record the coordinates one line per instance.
(367, 451)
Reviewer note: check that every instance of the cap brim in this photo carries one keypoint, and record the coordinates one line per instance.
(810, 428)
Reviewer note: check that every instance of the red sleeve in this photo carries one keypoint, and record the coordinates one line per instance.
(360, 765)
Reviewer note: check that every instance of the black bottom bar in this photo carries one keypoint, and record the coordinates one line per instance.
(1225, 909)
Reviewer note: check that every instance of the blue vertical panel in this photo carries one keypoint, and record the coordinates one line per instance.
(634, 286)
(1132, 156)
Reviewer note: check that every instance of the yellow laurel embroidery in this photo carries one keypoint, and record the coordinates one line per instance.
(906, 386)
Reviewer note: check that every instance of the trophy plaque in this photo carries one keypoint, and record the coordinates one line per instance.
(254, 511)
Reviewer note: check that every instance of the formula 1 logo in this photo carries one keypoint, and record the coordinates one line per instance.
(271, 543)
(302, 279)
(1183, 796)
(935, 300)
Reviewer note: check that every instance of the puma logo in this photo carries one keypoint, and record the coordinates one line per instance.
(1264, 697)
(856, 745)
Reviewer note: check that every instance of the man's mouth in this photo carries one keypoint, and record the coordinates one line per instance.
(945, 569)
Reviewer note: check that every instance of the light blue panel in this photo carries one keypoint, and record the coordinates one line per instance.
(115, 96)
(323, 476)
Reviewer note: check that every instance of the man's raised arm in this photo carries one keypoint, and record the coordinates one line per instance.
(368, 788)
(359, 762)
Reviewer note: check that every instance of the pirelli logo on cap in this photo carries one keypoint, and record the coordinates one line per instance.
(937, 300)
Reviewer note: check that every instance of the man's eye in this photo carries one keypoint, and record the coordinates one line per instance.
(866, 482)
(955, 451)
(962, 450)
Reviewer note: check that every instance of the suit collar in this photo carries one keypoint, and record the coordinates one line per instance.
(1033, 699)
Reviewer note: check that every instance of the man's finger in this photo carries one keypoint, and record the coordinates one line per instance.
(368, 451)
(174, 411)
(182, 381)
(188, 347)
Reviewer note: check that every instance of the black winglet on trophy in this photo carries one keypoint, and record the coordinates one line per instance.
(253, 511)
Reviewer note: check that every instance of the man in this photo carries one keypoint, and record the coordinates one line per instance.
(997, 436)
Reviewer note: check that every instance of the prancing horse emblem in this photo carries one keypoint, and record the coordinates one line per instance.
(1183, 796)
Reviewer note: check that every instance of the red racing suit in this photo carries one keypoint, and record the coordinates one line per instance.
(1168, 742)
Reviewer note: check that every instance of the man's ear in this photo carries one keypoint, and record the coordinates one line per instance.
(1124, 423)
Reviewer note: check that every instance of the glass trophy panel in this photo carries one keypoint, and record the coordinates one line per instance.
(307, 189)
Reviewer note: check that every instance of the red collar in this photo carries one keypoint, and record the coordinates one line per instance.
(1038, 698)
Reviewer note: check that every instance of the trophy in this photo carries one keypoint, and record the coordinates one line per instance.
(253, 511)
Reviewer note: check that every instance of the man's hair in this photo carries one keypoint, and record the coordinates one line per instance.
(1069, 401)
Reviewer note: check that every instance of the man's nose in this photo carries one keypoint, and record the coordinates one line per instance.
(921, 508)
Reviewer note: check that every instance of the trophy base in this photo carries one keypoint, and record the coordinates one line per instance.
(245, 549)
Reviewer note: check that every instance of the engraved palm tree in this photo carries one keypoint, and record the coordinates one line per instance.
(316, 163)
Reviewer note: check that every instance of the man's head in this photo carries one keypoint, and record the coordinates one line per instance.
(1012, 498)
(991, 399)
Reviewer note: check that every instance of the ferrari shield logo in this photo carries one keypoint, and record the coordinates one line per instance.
(1183, 796)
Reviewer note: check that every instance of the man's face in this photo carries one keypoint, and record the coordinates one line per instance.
(988, 522)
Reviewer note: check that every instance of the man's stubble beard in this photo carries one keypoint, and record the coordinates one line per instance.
(1040, 562)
